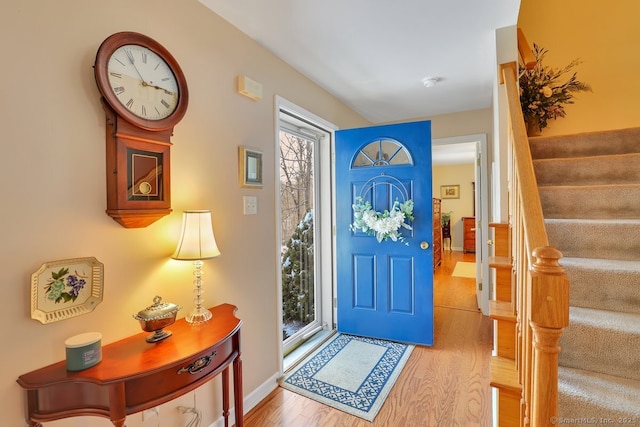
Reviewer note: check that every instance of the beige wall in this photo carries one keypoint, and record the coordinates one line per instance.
(461, 123)
(53, 181)
(462, 175)
(605, 36)
(53, 175)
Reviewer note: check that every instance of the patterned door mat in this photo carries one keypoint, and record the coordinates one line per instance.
(349, 373)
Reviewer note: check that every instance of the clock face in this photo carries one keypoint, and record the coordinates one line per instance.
(142, 82)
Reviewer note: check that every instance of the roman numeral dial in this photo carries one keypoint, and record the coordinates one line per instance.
(143, 82)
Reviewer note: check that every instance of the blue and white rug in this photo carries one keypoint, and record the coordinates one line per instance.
(349, 373)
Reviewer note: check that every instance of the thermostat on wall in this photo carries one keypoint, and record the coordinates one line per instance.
(249, 88)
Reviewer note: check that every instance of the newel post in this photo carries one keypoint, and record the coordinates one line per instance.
(549, 316)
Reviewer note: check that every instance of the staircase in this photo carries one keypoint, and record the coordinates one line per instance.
(590, 194)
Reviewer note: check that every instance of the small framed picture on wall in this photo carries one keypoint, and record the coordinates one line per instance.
(250, 167)
(450, 191)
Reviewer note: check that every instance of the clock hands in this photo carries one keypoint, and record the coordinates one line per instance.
(157, 87)
(144, 82)
(133, 62)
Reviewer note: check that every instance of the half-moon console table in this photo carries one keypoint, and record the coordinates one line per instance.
(135, 375)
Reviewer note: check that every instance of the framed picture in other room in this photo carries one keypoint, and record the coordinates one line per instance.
(449, 191)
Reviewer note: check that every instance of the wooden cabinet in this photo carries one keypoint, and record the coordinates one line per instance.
(469, 236)
(437, 233)
(135, 375)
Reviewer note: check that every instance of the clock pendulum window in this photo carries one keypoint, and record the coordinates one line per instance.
(144, 95)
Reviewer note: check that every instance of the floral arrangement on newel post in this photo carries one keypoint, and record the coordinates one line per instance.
(384, 225)
(543, 94)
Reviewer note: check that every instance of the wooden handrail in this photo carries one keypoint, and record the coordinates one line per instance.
(541, 288)
(529, 194)
(524, 49)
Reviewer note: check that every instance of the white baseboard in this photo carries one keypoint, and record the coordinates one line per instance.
(251, 400)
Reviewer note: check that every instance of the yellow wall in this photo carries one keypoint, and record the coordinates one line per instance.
(605, 36)
(462, 175)
(52, 171)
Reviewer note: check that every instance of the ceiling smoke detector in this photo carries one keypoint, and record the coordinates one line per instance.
(430, 81)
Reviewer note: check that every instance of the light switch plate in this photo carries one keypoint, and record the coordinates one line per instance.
(250, 205)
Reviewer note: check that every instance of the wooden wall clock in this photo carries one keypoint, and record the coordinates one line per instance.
(144, 95)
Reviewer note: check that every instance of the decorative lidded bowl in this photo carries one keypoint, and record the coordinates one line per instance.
(157, 317)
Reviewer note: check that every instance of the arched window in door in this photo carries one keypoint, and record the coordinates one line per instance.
(383, 152)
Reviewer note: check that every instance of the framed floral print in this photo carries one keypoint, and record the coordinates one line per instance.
(66, 288)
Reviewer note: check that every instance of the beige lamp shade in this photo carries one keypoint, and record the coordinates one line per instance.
(197, 240)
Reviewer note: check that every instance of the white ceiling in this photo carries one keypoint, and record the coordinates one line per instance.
(374, 54)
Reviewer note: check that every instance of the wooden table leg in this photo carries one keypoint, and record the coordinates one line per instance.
(225, 396)
(237, 391)
(117, 411)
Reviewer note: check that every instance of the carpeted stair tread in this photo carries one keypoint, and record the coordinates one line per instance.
(589, 186)
(584, 394)
(602, 341)
(596, 238)
(604, 284)
(593, 201)
(585, 144)
(619, 168)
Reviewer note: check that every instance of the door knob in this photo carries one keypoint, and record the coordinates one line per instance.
(424, 245)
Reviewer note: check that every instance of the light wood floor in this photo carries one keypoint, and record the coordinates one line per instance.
(444, 385)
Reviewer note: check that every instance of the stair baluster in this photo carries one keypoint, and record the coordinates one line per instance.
(540, 290)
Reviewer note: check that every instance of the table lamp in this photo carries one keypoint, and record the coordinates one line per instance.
(196, 243)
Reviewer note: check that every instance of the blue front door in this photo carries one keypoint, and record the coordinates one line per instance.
(385, 287)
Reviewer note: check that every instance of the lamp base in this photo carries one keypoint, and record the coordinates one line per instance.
(198, 315)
